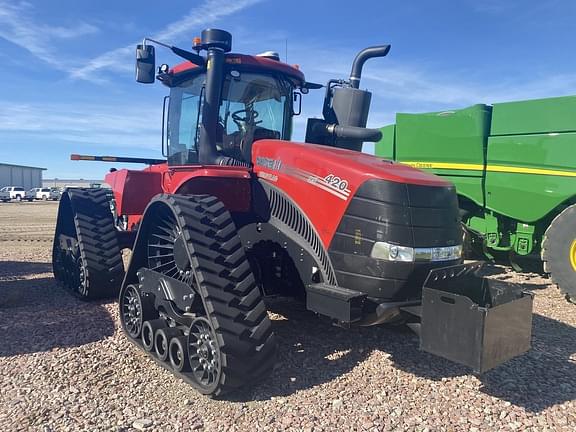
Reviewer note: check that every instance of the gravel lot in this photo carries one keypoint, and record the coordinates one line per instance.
(65, 366)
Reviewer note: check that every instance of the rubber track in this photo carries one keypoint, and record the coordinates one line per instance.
(231, 297)
(97, 241)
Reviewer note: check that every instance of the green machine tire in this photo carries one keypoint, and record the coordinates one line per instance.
(559, 252)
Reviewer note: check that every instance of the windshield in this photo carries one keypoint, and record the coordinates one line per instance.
(253, 106)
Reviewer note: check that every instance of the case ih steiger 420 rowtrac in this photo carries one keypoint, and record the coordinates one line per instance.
(238, 213)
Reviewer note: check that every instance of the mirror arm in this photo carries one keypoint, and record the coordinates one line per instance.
(187, 55)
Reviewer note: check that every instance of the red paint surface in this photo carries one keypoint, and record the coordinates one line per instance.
(324, 209)
(133, 189)
(242, 60)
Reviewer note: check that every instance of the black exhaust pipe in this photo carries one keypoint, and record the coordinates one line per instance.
(346, 109)
(217, 43)
(361, 57)
(347, 132)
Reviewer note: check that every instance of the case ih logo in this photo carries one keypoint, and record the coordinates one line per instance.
(331, 183)
(271, 164)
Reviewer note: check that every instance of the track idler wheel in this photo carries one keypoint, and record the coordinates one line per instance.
(204, 354)
(162, 341)
(178, 354)
(135, 309)
(149, 329)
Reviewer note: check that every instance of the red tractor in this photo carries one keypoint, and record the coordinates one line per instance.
(238, 213)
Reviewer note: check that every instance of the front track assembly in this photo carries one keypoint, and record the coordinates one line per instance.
(190, 300)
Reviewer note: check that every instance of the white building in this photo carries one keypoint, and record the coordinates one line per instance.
(20, 175)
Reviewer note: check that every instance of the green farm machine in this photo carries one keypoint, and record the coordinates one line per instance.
(514, 168)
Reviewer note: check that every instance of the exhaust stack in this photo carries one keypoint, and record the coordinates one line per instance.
(361, 57)
(346, 109)
(216, 43)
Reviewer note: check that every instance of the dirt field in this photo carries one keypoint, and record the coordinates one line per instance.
(65, 366)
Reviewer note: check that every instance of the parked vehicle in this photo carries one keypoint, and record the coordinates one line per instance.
(514, 168)
(15, 192)
(38, 194)
(4, 195)
(239, 212)
(55, 194)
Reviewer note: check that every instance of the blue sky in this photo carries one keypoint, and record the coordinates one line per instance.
(67, 76)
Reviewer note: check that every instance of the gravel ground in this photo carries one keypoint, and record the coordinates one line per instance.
(65, 366)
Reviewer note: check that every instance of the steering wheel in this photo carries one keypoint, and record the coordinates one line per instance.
(242, 121)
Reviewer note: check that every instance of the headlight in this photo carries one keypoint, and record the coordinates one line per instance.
(390, 252)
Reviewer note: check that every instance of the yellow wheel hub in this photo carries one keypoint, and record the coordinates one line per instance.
(573, 255)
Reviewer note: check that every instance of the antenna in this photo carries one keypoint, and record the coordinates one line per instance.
(286, 50)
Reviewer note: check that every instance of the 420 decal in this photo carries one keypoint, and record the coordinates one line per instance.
(336, 182)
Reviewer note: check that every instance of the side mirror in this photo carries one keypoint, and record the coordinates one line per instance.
(145, 64)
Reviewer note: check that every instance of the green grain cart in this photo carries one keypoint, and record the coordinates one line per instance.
(514, 166)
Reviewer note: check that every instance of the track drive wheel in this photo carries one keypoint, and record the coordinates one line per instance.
(559, 252)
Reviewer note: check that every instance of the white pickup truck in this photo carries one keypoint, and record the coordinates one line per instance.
(14, 193)
(39, 194)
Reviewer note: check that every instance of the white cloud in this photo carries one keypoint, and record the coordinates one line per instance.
(408, 86)
(106, 125)
(121, 59)
(18, 27)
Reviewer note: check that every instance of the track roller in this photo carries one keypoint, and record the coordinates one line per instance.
(149, 329)
(178, 354)
(162, 338)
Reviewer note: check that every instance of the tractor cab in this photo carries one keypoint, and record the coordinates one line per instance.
(255, 103)
(221, 103)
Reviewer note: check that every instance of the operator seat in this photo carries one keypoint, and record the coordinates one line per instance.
(239, 146)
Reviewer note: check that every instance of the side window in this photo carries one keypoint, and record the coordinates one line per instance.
(45, 190)
(183, 120)
(271, 117)
(19, 189)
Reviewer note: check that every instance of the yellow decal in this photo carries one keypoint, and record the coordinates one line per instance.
(491, 168)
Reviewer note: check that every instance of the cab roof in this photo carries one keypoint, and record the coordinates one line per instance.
(244, 62)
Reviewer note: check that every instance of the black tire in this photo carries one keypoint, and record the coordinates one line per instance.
(178, 354)
(84, 218)
(162, 339)
(221, 276)
(559, 252)
(149, 329)
(18, 198)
